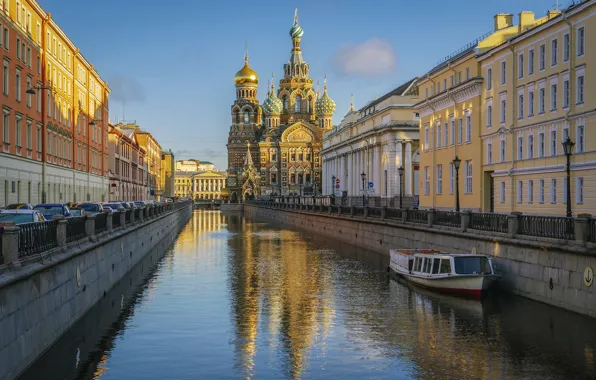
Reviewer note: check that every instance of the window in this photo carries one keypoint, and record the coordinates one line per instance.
(468, 189)
(425, 138)
(489, 116)
(554, 52)
(461, 130)
(566, 47)
(28, 95)
(541, 100)
(541, 143)
(553, 191)
(298, 104)
(541, 191)
(467, 73)
(28, 135)
(530, 191)
(566, 93)
(579, 190)
(426, 92)
(503, 72)
(553, 97)
(18, 48)
(520, 66)
(459, 77)
(580, 89)
(581, 37)
(446, 134)
(426, 180)
(581, 139)
(520, 191)
(451, 178)
(531, 103)
(439, 179)
(520, 148)
(5, 77)
(553, 143)
(531, 146)
(503, 150)
(6, 38)
(18, 131)
(38, 139)
(489, 153)
(444, 84)
(489, 79)
(452, 131)
(452, 80)
(531, 62)
(503, 110)
(502, 192)
(6, 127)
(468, 128)
(18, 85)
(246, 117)
(438, 132)
(273, 178)
(542, 57)
(520, 106)
(273, 156)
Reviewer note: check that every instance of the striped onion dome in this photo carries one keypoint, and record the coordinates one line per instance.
(296, 31)
(324, 104)
(272, 104)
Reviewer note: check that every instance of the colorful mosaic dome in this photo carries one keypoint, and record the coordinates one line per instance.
(324, 105)
(272, 105)
(296, 31)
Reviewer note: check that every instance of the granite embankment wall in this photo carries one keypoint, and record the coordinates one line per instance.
(39, 302)
(546, 270)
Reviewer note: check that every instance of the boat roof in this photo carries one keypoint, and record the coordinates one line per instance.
(410, 252)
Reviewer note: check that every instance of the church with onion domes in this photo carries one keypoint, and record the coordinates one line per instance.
(274, 148)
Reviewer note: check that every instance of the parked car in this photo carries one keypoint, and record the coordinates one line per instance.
(76, 212)
(124, 204)
(168, 200)
(21, 216)
(19, 206)
(113, 205)
(91, 208)
(140, 204)
(50, 209)
(132, 205)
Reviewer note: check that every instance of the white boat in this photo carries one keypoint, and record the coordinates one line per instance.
(462, 274)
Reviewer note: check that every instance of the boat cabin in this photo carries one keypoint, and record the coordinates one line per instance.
(437, 264)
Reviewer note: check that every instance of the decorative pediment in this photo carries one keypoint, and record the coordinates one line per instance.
(298, 132)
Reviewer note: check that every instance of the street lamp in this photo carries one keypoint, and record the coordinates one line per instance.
(401, 185)
(363, 176)
(568, 147)
(31, 90)
(456, 162)
(332, 184)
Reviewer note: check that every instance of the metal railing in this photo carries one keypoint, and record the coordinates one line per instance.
(75, 228)
(35, 238)
(416, 216)
(127, 216)
(101, 223)
(1, 237)
(358, 211)
(486, 221)
(137, 213)
(393, 213)
(555, 227)
(375, 212)
(116, 219)
(447, 218)
(593, 230)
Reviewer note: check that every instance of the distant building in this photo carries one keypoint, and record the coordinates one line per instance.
(168, 173)
(194, 166)
(127, 168)
(199, 185)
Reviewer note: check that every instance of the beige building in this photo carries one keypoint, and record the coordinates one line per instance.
(168, 173)
(194, 166)
(375, 141)
(126, 166)
(200, 185)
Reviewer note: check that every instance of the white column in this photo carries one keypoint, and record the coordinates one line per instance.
(391, 169)
(398, 163)
(350, 173)
(408, 179)
(377, 169)
(323, 172)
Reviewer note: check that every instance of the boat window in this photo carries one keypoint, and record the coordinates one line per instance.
(420, 264)
(436, 265)
(445, 266)
(429, 264)
(472, 265)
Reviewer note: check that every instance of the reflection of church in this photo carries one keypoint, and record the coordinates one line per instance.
(284, 134)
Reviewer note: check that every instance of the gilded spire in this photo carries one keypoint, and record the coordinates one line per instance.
(318, 89)
(296, 31)
(352, 102)
(246, 74)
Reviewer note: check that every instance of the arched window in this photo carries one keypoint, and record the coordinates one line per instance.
(298, 103)
(308, 105)
(286, 103)
(246, 117)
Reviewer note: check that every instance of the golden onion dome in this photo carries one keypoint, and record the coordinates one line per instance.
(246, 74)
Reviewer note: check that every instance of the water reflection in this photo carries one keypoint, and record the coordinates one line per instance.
(236, 298)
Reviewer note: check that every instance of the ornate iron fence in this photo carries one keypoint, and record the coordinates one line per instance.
(358, 210)
(137, 213)
(393, 213)
(555, 227)
(416, 216)
(75, 228)
(345, 210)
(374, 212)
(335, 208)
(1, 237)
(116, 219)
(127, 216)
(447, 218)
(101, 223)
(486, 221)
(35, 238)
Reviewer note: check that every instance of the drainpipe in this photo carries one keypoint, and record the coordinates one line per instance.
(511, 129)
(433, 142)
(44, 132)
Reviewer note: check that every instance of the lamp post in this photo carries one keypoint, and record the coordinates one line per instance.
(363, 176)
(401, 185)
(456, 162)
(315, 188)
(568, 147)
(332, 184)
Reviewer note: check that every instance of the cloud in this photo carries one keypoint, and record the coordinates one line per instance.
(126, 89)
(369, 58)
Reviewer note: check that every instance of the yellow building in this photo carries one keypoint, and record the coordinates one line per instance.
(503, 105)
(536, 94)
(200, 185)
(168, 174)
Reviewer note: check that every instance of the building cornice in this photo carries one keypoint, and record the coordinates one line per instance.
(372, 132)
(458, 94)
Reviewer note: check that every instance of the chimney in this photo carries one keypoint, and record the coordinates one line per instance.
(526, 20)
(553, 13)
(503, 20)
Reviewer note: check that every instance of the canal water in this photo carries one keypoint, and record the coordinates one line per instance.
(235, 298)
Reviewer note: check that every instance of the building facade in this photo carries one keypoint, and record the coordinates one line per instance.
(200, 185)
(376, 141)
(194, 166)
(168, 174)
(283, 135)
(503, 106)
(54, 113)
(127, 166)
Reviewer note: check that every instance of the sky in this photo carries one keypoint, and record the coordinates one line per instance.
(171, 66)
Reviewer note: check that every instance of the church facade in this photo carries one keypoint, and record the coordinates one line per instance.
(275, 147)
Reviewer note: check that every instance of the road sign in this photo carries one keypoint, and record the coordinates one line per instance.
(337, 186)
(337, 181)
(371, 191)
(337, 193)
(371, 185)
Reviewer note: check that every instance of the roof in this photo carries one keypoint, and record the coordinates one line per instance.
(18, 211)
(401, 90)
(128, 132)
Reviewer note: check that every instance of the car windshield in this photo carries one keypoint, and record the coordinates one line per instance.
(50, 210)
(76, 212)
(89, 207)
(13, 206)
(17, 218)
(472, 265)
(113, 206)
